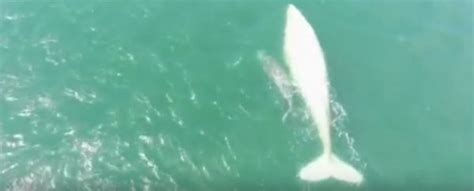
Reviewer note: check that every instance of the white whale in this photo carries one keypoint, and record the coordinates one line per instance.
(305, 60)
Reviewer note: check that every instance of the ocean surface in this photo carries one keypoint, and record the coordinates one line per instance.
(158, 95)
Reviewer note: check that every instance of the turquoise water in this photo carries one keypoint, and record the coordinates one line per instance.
(171, 96)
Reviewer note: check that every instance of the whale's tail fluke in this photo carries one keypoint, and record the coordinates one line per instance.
(330, 166)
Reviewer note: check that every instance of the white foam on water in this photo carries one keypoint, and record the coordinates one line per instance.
(150, 164)
(10, 167)
(225, 164)
(339, 118)
(146, 139)
(81, 95)
(229, 148)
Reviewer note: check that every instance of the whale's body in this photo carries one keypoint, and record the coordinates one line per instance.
(306, 63)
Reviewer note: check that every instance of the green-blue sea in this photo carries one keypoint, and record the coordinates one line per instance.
(170, 95)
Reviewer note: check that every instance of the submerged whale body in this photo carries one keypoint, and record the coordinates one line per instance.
(306, 63)
(280, 78)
